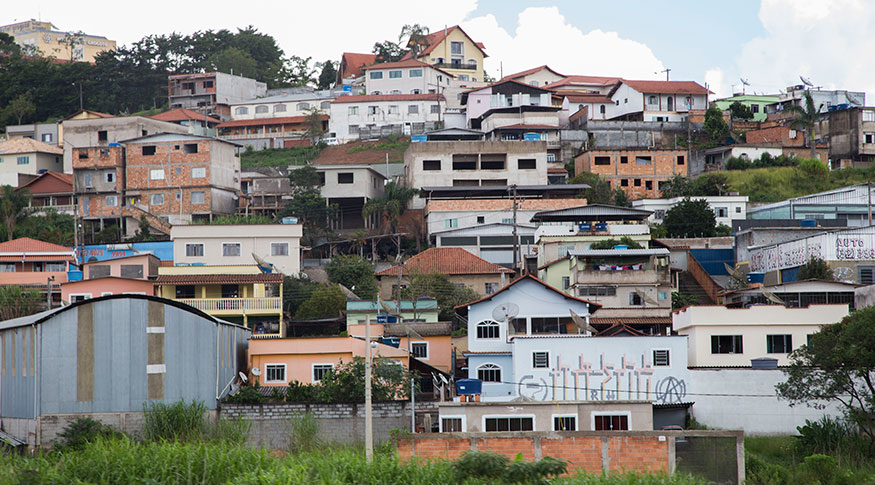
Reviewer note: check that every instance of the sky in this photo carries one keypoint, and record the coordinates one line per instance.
(769, 43)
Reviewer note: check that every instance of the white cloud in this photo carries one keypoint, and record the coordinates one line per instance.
(543, 36)
(826, 41)
(716, 82)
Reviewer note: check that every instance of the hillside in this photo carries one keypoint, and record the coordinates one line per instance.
(781, 183)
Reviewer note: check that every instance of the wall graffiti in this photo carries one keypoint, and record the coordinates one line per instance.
(603, 380)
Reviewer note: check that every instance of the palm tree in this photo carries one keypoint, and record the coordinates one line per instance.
(13, 208)
(416, 37)
(805, 119)
(389, 207)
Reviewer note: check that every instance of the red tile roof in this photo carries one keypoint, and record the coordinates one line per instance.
(530, 71)
(366, 98)
(217, 279)
(592, 305)
(183, 114)
(285, 120)
(587, 80)
(28, 145)
(355, 62)
(28, 245)
(502, 204)
(404, 63)
(433, 39)
(589, 98)
(55, 182)
(667, 87)
(448, 261)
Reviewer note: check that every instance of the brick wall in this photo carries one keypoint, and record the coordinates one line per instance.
(620, 168)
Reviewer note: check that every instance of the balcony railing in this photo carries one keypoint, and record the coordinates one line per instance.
(235, 305)
(456, 65)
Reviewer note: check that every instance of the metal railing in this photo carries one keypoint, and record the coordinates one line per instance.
(456, 65)
(242, 305)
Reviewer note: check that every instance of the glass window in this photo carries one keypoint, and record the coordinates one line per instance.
(564, 423)
(111, 200)
(488, 329)
(275, 373)
(393, 109)
(394, 74)
(184, 291)
(451, 223)
(325, 105)
(194, 249)
(353, 110)
(779, 344)
(7, 267)
(302, 106)
(456, 47)
(241, 110)
(510, 424)
(261, 109)
(156, 174)
(24, 160)
(415, 73)
(540, 360)
(98, 271)
(373, 110)
(376, 74)
(412, 109)
(451, 425)
(279, 108)
(419, 350)
(566, 282)
(56, 267)
(197, 197)
(611, 422)
(279, 249)
(319, 371)
(132, 271)
(47, 137)
(157, 199)
(489, 373)
(435, 109)
(726, 344)
(490, 288)
(230, 249)
(345, 178)
(198, 172)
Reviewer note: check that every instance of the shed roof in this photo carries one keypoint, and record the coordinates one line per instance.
(593, 212)
(218, 279)
(27, 145)
(448, 261)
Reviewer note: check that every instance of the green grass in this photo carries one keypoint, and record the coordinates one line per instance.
(387, 144)
(279, 157)
(781, 183)
(778, 460)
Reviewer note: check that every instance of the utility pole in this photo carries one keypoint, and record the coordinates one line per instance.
(369, 418)
(869, 206)
(412, 395)
(516, 245)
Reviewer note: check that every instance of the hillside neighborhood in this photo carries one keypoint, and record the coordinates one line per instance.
(540, 263)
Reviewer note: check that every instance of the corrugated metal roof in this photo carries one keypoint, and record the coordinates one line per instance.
(435, 329)
(372, 305)
(206, 279)
(492, 229)
(593, 212)
(619, 252)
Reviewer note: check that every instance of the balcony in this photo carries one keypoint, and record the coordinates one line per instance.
(646, 274)
(455, 65)
(236, 306)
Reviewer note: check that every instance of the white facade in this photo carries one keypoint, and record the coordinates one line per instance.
(283, 105)
(405, 77)
(278, 244)
(492, 242)
(655, 106)
(726, 208)
(350, 115)
(350, 181)
(726, 337)
(849, 247)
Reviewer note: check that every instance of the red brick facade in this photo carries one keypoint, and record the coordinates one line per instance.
(637, 172)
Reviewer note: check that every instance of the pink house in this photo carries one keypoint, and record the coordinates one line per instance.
(138, 266)
(108, 285)
(26, 261)
(435, 348)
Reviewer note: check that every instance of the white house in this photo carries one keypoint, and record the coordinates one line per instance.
(375, 116)
(726, 207)
(657, 100)
(283, 105)
(405, 77)
(350, 187)
(443, 214)
(728, 337)
(235, 244)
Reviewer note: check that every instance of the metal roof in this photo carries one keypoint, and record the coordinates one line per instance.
(502, 191)
(491, 229)
(619, 252)
(593, 212)
(434, 329)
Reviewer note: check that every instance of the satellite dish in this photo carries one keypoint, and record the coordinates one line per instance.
(806, 81)
(581, 323)
(735, 273)
(256, 371)
(854, 99)
(647, 299)
(505, 311)
(744, 81)
(443, 379)
(411, 333)
(243, 377)
(263, 265)
(772, 297)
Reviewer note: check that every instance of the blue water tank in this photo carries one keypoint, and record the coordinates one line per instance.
(621, 246)
(469, 386)
(419, 138)
(584, 226)
(74, 275)
(393, 341)
(756, 277)
(289, 220)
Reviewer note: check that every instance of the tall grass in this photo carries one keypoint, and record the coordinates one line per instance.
(303, 433)
(180, 421)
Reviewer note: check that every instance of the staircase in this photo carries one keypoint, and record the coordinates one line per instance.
(155, 222)
(688, 285)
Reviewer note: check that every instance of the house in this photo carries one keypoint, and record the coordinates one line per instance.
(460, 266)
(474, 163)
(657, 100)
(442, 214)
(197, 123)
(536, 76)
(51, 42)
(405, 77)
(350, 68)
(350, 187)
(584, 85)
(725, 207)
(716, 158)
(279, 132)
(288, 103)
(75, 291)
(211, 93)
(452, 50)
(278, 245)
(181, 178)
(378, 116)
(640, 173)
(588, 106)
(492, 242)
(99, 183)
(106, 358)
(143, 266)
(825, 100)
(756, 102)
(850, 203)
(633, 286)
(726, 337)
(799, 293)
(35, 264)
(242, 294)
(44, 132)
(507, 103)
(25, 156)
(851, 136)
(51, 190)
(266, 190)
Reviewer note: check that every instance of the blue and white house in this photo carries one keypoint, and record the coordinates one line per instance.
(539, 353)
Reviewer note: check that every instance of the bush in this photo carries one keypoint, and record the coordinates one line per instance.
(760, 472)
(480, 464)
(534, 471)
(179, 421)
(610, 243)
(84, 430)
(304, 433)
(484, 465)
(822, 468)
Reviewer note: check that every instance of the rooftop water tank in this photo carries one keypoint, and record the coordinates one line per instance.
(469, 386)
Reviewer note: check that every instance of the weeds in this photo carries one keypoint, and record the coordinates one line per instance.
(303, 433)
(179, 421)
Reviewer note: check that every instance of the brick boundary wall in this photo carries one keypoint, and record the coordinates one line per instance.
(586, 451)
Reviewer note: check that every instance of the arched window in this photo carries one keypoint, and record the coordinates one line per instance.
(670, 103)
(242, 110)
(416, 91)
(262, 109)
(602, 109)
(302, 106)
(325, 105)
(489, 373)
(488, 329)
(651, 100)
(279, 108)
(395, 91)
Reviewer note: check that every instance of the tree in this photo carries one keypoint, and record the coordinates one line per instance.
(610, 243)
(49, 226)
(438, 286)
(16, 302)
(805, 119)
(715, 126)
(325, 301)
(327, 76)
(307, 203)
(416, 36)
(346, 382)
(387, 51)
(600, 191)
(390, 206)
(680, 300)
(815, 269)
(233, 60)
(13, 208)
(705, 185)
(619, 197)
(295, 292)
(690, 218)
(837, 366)
(22, 107)
(144, 230)
(355, 273)
(298, 71)
(740, 111)
(315, 127)
(8, 45)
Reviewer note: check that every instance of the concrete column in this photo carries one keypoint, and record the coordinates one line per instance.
(739, 457)
(606, 455)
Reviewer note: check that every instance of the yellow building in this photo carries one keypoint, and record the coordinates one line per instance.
(235, 293)
(50, 42)
(452, 50)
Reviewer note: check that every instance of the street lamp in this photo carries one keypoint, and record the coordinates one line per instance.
(80, 94)
(49, 292)
(369, 417)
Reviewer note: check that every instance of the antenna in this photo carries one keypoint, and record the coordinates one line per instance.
(744, 83)
(806, 81)
(667, 70)
(243, 377)
(505, 313)
(581, 323)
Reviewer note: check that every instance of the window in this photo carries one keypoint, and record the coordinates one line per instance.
(373, 110)
(47, 138)
(302, 106)
(279, 249)
(755, 108)
(189, 148)
(526, 164)
(325, 105)
(198, 172)
(419, 91)
(55, 267)
(564, 423)
(648, 184)
(414, 73)
(261, 109)
(452, 424)
(111, 200)
(319, 371)
(602, 160)
(540, 360)
(279, 108)
(156, 174)
(451, 223)
(86, 179)
(456, 48)
(197, 197)
(24, 160)
(661, 358)
(596, 291)
(194, 249)
(610, 422)
(869, 137)
(726, 344)
(490, 288)
(393, 109)
(79, 297)
(779, 344)
(7, 267)
(132, 271)
(431, 164)
(376, 74)
(275, 373)
(721, 211)
(488, 329)
(156, 199)
(435, 109)
(464, 162)
(637, 182)
(353, 110)
(109, 177)
(394, 74)
(643, 160)
(566, 282)
(513, 423)
(681, 160)
(345, 178)
(242, 110)
(98, 271)
(184, 292)
(635, 299)
(419, 350)
(230, 249)
(462, 77)
(624, 182)
(868, 115)
(148, 150)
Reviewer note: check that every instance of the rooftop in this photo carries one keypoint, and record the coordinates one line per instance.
(27, 145)
(284, 120)
(27, 245)
(593, 212)
(501, 204)
(218, 279)
(433, 39)
(184, 114)
(373, 98)
(448, 261)
(667, 87)
(618, 252)
(355, 62)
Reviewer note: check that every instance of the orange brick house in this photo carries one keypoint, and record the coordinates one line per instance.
(99, 182)
(640, 173)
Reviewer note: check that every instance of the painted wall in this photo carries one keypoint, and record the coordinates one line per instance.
(640, 413)
(106, 286)
(35, 163)
(731, 207)
(147, 262)
(253, 238)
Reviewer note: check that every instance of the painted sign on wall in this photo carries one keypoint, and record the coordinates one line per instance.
(856, 245)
